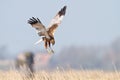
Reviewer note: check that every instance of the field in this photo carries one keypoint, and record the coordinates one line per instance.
(61, 75)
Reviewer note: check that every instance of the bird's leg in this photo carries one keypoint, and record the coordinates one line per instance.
(48, 50)
(46, 46)
(38, 42)
(51, 50)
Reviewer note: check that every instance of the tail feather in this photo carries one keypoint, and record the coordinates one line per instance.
(39, 41)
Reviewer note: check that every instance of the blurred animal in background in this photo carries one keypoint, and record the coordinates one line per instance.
(24, 62)
(48, 33)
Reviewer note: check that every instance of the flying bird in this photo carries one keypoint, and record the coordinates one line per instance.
(48, 33)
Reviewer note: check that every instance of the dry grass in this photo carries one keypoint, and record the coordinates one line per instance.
(62, 75)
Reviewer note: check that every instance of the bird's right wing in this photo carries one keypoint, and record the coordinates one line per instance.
(40, 28)
(56, 20)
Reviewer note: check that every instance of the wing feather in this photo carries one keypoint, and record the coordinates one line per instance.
(40, 28)
(56, 20)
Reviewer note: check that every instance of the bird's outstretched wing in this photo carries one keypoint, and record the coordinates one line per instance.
(40, 28)
(56, 20)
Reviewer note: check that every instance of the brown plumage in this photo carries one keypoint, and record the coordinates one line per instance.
(48, 33)
(48, 42)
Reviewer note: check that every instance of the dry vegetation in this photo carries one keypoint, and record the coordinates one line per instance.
(61, 75)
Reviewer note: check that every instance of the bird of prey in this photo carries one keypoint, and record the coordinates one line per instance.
(48, 33)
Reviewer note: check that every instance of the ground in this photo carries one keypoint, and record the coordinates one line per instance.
(61, 75)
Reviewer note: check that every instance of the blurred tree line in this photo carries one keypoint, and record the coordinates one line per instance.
(105, 57)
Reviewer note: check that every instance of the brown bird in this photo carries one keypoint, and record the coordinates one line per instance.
(48, 33)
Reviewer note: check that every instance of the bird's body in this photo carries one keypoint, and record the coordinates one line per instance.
(47, 33)
(48, 43)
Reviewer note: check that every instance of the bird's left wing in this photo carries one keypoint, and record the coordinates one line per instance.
(40, 28)
(56, 20)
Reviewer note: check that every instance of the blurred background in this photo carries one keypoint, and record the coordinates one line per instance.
(87, 38)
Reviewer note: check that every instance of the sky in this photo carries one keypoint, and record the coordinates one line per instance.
(87, 22)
